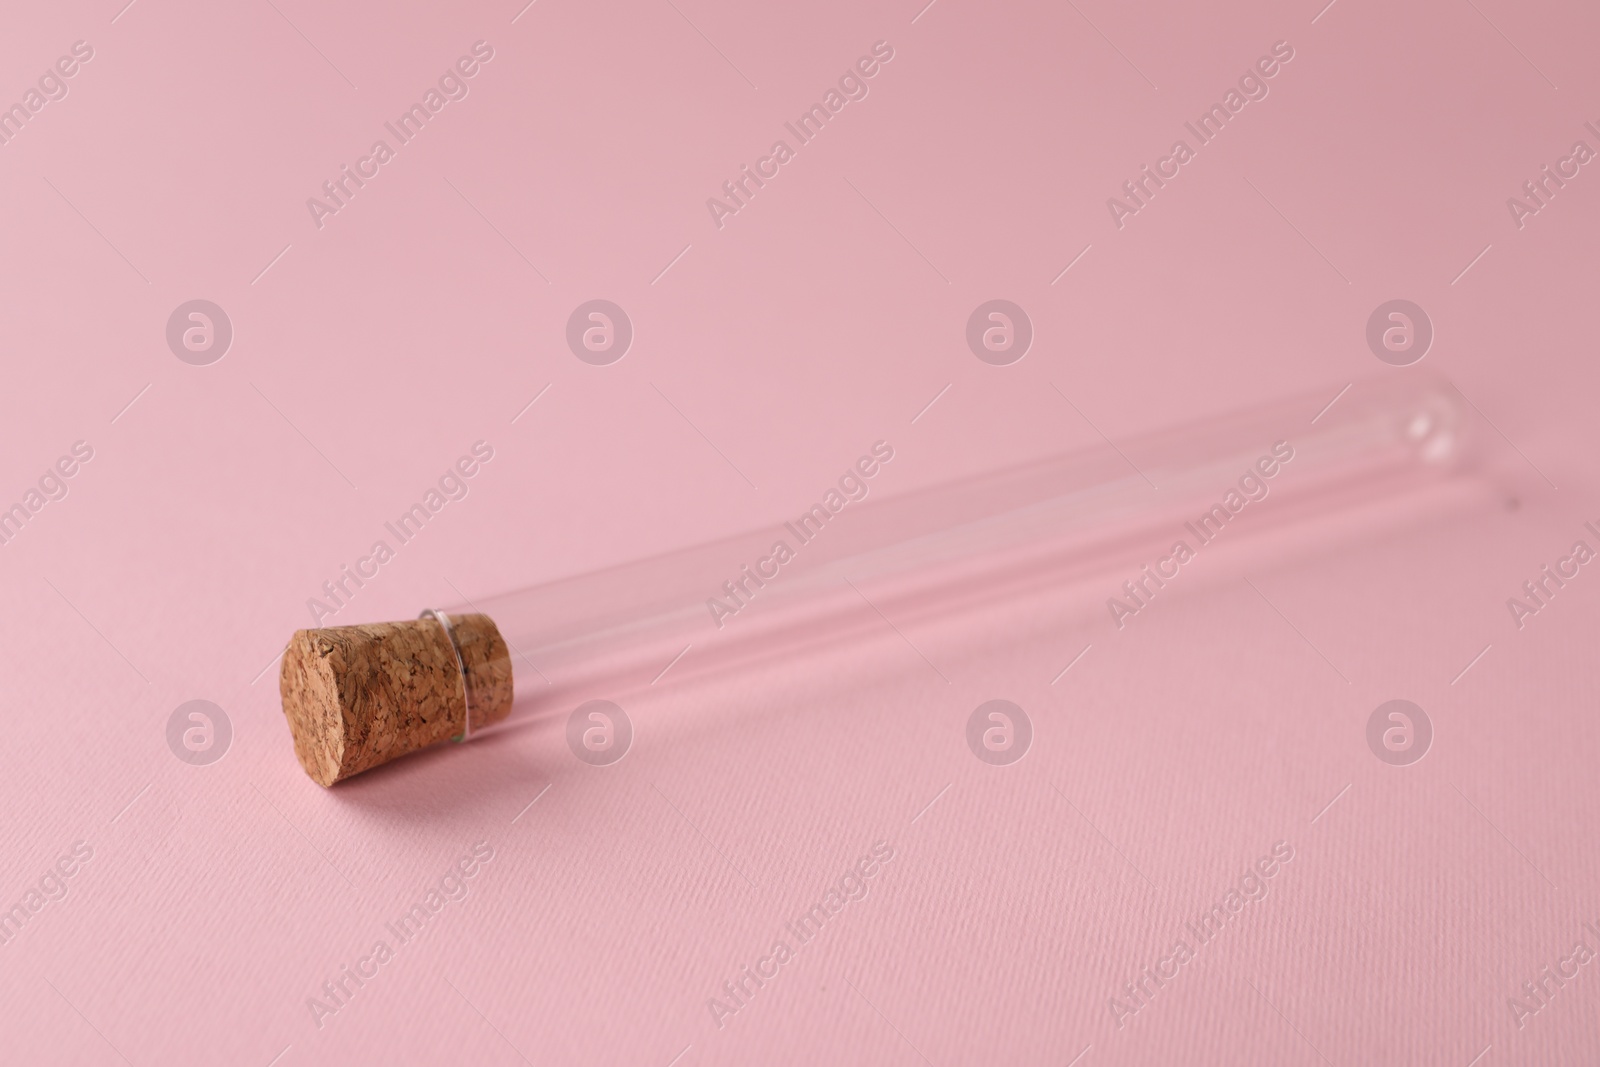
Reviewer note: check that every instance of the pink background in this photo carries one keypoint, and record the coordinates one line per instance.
(825, 315)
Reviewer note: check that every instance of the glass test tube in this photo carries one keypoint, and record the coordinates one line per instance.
(974, 540)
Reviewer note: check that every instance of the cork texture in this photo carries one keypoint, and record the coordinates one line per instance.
(359, 696)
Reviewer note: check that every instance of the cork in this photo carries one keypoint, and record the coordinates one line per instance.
(359, 696)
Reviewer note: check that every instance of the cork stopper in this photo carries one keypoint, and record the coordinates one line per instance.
(360, 696)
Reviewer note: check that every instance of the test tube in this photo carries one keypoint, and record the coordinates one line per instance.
(359, 696)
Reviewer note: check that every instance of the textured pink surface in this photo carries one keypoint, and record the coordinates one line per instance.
(371, 351)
